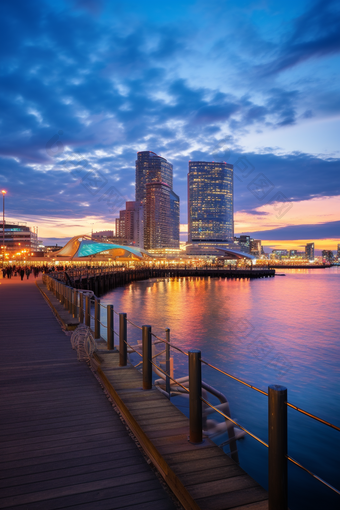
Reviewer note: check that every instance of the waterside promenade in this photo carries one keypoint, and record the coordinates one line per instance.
(64, 444)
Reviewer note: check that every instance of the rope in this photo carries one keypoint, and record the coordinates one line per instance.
(133, 324)
(313, 416)
(167, 375)
(313, 475)
(139, 354)
(233, 377)
(234, 422)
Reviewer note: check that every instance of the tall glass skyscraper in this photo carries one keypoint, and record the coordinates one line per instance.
(210, 202)
(160, 204)
(151, 168)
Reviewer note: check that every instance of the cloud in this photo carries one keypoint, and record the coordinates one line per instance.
(314, 34)
(329, 230)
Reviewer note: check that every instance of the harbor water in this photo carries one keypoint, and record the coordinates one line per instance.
(282, 330)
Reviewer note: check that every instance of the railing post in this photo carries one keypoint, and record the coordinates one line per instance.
(147, 355)
(61, 293)
(167, 361)
(110, 328)
(195, 394)
(81, 307)
(70, 305)
(75, 303)
(122, 340)
(277, 442)
(87, 311)
(97, 318)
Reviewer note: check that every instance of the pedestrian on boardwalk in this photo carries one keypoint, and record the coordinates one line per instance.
(22, 273)
(4, 272)
(9, 272)
(28, 272)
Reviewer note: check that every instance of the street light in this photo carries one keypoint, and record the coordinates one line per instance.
(3, 226)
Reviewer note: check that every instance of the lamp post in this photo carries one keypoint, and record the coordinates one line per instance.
(3, 226)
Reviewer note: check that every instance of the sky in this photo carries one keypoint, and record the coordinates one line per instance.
(85, 84)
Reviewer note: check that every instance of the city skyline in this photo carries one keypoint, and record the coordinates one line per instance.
(114, 79)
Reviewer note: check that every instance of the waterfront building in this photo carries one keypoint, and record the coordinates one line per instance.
(159, 205)
(19, 237)
(151, 168)
(210, 205)
(162, 217)
(279, 254)
(338, 253)
(309, 251)
(327, 255)
(243, 242)
(255, 247)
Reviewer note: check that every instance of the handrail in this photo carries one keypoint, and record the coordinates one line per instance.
(53, 287)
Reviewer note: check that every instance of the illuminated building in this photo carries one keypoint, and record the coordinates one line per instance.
(159, 221)
(151, 168)
(338, 253)
(210, 204)
(244, 243)
(19, 237)
(309, 251)
(162, 217)
(255, 247)
(327, 255)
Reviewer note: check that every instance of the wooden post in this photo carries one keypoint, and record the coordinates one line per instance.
(277, 451)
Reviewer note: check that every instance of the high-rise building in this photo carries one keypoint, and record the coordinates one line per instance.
(151, 168)
(255, 247)
(327, 255)
(210, 203)
(338, 253)
(309, 251)
(162, 218)
(160, 205)
(243, 242)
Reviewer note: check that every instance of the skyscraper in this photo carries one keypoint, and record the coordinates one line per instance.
(151, 168)
(160, 204)
(309, 251)
(210, 203)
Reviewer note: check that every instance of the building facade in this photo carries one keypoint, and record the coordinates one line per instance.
(159, 205)
(309, 251)
(19, 237)
(210, 203)
(151, 168)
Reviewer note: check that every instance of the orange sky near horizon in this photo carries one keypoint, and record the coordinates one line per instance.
(307, 212)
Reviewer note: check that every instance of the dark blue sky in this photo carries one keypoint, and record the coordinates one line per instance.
(86, 84)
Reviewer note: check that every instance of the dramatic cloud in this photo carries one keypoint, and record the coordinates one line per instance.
(86, 84)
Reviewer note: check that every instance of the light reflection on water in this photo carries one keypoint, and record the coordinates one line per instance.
(282, 330)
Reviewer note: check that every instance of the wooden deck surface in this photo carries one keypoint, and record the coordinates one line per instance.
(62, 444)
(211, 478)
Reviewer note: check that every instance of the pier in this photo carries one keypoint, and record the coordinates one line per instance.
(62, 443)
(101, 280)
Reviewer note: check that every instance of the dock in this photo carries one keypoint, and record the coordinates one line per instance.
(64, 445)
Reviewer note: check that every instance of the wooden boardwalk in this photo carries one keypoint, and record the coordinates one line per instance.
(62, 444)
(202, 476)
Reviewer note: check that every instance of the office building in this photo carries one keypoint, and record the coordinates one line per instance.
(338, 253)
(243, 242)
(327, 256)
(159, 205)
(255, 247)
(151, 168)
(309, 251)
(162, 218)
(210, 205)
(19, 237)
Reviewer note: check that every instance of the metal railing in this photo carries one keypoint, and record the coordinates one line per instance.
(73, 301)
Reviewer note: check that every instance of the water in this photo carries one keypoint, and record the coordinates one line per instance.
(282, 330)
